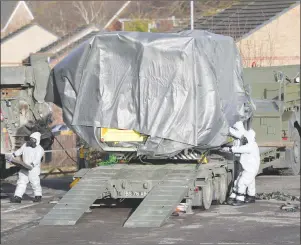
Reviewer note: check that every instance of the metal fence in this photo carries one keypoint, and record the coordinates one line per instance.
(62, 157)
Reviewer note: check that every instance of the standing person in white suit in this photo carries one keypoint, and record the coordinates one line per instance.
(250, 161)
(32, 154)
(237, 131)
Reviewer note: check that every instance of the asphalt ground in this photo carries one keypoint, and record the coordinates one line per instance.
(260, 223)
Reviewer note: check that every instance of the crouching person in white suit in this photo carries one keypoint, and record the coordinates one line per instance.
(32, 154)
(250, 161)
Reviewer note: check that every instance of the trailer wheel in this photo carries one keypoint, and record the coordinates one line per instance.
(223, 188)
(207, 195)
(292, 159)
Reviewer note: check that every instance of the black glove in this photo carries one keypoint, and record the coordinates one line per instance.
(244, 140)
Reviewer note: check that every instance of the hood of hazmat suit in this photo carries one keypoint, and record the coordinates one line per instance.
(250, 157)
(238, 130)
(37, 137)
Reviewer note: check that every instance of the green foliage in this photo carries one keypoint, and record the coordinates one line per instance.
(112, 159)
(154, 30)
(139, 26)
(136, 25)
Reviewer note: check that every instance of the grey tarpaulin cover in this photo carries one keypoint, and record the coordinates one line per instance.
(182, 89)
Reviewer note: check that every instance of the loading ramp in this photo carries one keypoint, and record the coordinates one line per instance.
(79, 199)
(162, 200)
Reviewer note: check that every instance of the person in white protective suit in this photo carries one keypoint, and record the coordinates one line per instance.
(237, 131)
(32, 154)
(250, 161)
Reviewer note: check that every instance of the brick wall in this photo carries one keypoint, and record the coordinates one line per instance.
(277, 43)
(115, 26)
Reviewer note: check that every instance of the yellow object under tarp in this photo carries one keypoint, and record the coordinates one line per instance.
(74, 182)
(205, 160)
(120, 135)
(230, 139)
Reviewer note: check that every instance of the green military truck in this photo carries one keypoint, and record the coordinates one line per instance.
(276, 92)
(23, 110)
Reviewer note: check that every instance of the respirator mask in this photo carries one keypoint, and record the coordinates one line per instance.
(31, 143)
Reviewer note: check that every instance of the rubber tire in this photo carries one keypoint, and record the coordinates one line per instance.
(292, 156)
(223, 189)
(207, 195)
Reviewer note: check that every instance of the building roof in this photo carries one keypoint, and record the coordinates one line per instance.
(65, 38)
(20, 30)
(243, 17)
(7, 10)
(15, 33)
(74, 45)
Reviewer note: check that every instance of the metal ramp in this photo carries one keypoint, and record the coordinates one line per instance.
(76, 201)
(162, 200)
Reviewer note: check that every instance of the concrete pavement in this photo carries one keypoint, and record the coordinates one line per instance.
(259, 223)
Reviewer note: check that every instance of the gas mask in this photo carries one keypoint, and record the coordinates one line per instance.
(31, 143)
(244, 140)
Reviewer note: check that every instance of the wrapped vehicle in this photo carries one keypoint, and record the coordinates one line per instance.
(166, 92)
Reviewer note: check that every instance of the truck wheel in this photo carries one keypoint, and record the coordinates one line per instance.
(292, 155)
(207, 195)
(292, 159)
(223, 188)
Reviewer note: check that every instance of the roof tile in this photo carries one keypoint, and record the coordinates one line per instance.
(242, 17)
(74, 44)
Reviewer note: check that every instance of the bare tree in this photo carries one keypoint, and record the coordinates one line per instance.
(63, 17)
(90, 11)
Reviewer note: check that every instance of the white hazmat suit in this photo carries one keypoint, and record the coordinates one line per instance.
(31, 156)
(250, 161)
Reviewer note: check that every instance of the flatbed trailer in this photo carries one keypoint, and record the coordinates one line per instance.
(162, 188)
